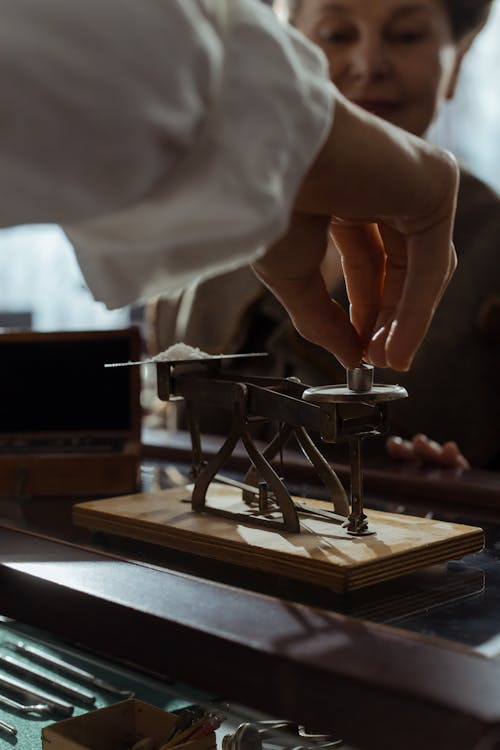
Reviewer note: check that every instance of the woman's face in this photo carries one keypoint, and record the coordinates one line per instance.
(395, 58)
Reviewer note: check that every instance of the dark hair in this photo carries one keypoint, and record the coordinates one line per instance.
(466, 16)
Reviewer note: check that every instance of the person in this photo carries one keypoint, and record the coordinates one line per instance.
(399, 62)
(144, 130)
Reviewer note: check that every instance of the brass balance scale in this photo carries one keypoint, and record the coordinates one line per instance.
(257, 523)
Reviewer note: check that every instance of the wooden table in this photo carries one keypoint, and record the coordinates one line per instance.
(377, 686)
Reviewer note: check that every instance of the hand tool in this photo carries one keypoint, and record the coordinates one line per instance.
(27, 693)
(50, 683)
(62, 667)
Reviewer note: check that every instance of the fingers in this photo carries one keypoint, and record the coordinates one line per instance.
(424, 450)
(452, 456)
(369, 171)
(395, 270)
(399, 449)
(447, 454)
(316, 316)
(291, 269)
(428, 451)
(396, 267)
(418, 270)
(363, 262)
(394, 282)
(431, 262)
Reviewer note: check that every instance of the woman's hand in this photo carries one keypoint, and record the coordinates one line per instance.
(427, 451)
(393, 197)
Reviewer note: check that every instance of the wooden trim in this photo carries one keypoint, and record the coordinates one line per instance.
(378, 687)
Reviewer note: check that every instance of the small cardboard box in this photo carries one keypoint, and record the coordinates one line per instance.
(117, 727)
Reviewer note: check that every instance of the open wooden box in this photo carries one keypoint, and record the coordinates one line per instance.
(117, 727)
(69, 426)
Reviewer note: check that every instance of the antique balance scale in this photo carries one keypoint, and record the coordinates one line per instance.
(257, 523)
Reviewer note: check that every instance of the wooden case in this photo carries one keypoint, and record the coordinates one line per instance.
(68, 425)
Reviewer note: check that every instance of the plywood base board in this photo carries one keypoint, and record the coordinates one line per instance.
(323, 553)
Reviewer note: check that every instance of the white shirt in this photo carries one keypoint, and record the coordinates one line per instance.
(169, 137)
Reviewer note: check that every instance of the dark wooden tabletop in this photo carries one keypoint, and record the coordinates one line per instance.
(378, 686)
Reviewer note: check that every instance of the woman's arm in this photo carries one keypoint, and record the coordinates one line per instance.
(175, 137)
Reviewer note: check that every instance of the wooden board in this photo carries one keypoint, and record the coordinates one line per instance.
(323, 553)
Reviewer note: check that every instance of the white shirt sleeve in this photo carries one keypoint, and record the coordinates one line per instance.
(169, 137)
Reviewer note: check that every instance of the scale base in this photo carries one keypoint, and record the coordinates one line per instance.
(324, 553)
